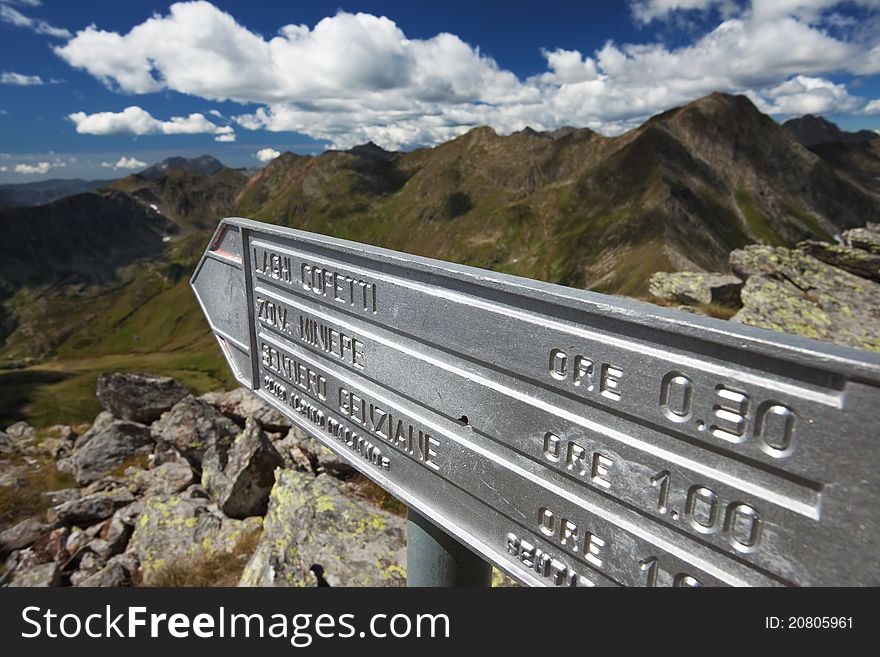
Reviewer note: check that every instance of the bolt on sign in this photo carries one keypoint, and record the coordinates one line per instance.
(568, 437)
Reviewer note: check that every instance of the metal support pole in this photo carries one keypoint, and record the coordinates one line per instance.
(434, 558)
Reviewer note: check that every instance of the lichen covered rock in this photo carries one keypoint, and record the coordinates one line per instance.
(174, 530)
(856, 261)
(139, 397)
(696, 287)
(790, 291)
(867, 238)
(315, 533)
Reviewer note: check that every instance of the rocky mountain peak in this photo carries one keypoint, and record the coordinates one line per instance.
(371, 151)
(205, 165)
(811, 130)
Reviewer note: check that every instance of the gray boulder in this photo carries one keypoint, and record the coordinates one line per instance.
(192, 426)
(7, 444)
(113, 538)
(22, 434)
(42, 576)
(696, 288)
(89, 564)
(240, 479)
(77, 539)
(139, 397)
(303, 448)
(116, 573)
(166, 479)
(240, 404)
(106, 448)
(52, 546)
(315, 533)
(23, 534)
(55, 447)
(102, 420)
(60, 431)
(90, 509)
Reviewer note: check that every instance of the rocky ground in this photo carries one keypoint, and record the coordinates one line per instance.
(167, 489)
(822, 290)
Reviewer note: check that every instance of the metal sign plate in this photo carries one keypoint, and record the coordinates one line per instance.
(570, 438)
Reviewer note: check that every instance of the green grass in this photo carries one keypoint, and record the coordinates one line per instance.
(19, 387)
(213, 569)
(809, 221)
(758, 224)
(642, 261)
(64, 390)
(148, 321)
(20, 502)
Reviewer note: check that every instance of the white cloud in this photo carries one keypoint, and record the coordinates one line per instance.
(358, 77)
(266, 154)
(14, 17)
(224, 133)
(20, 79)
(645, 11)
(125, 163)
(806, 95)
(137, 121)
(872, 108)
(568, 66)
(4, 169)
(808, 10)
(39, 168)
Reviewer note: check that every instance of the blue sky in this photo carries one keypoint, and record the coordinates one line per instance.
(98, 89)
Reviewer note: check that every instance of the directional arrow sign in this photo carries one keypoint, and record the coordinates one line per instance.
(570, 438)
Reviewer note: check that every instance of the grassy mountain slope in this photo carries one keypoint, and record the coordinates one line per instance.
(191, 199)
(128, 306)
(82, 238)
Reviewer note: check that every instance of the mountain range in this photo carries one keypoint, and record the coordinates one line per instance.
(569, 206)
(46, 191)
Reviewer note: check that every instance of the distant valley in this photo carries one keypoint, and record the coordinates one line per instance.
(98, 280)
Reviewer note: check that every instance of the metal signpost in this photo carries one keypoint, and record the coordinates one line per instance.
(567, 437)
